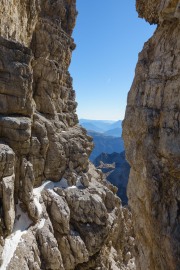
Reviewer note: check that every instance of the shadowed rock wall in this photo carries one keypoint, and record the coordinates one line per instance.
(152, 140)
(73, 221)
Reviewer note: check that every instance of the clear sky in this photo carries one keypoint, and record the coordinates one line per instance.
(109, 35)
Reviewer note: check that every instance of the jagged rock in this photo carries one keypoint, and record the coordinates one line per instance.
(62, 239)
(155, 11)
(27, 255)
(16, 82)
(48, 246)
(7, 160)
(8, 201)
(59, 211)
(12, 16)
(16, 132)
(56, 210)
(116, 170)
(86, 207)
(26, 185)
(74, 250)
(7, 179)
(152, 140)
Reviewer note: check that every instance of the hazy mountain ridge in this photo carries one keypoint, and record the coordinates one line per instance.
(106, 144)
(103, 124)
(106, 127)
(106, 136)
(92, 127)
(115, 132)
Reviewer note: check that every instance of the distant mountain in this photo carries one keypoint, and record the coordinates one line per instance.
(107, 144)
(116, 169)
(117, 124)
(101, 122)
(91, 127)
(115, 132)
(103, 125)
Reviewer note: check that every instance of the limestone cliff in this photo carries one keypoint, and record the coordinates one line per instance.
(56, 211)
(152, 140)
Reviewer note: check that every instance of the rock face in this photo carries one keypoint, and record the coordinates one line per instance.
(153, 147)
(56, 211)
(116, 170)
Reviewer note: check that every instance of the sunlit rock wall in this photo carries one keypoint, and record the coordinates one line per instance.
(77, 223)
(152, 140)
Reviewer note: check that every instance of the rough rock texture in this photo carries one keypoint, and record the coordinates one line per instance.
(116, 170)
(152, 140)
(74, 221)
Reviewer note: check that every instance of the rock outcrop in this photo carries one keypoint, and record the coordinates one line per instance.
(116, 170)
(153, 146)
(56, 211)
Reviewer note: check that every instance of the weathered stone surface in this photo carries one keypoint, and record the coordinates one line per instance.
(155, 11)
(69, 224)
(59, 211)
(18, 20)
(16, 132)
(61, 239)
(27, 254)
(16, 78)
(48, 246)
(8, 201)
(7, 160)
(7, 179)
(152, 140)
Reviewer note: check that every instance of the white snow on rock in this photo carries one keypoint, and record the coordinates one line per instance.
(21, 225)
(71, 187)
(22, 221)
(37, 195)
(41, 223)
(78, 183)
(49, 185)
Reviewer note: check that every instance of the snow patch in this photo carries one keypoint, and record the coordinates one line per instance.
(53, 192)
(49, 185)
(37, 195)
(71, 187)
(21, 225)
(41, 223)
(22, 221)
(62, 184)
(78, 183)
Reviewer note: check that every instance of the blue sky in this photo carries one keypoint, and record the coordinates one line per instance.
(109, 35)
